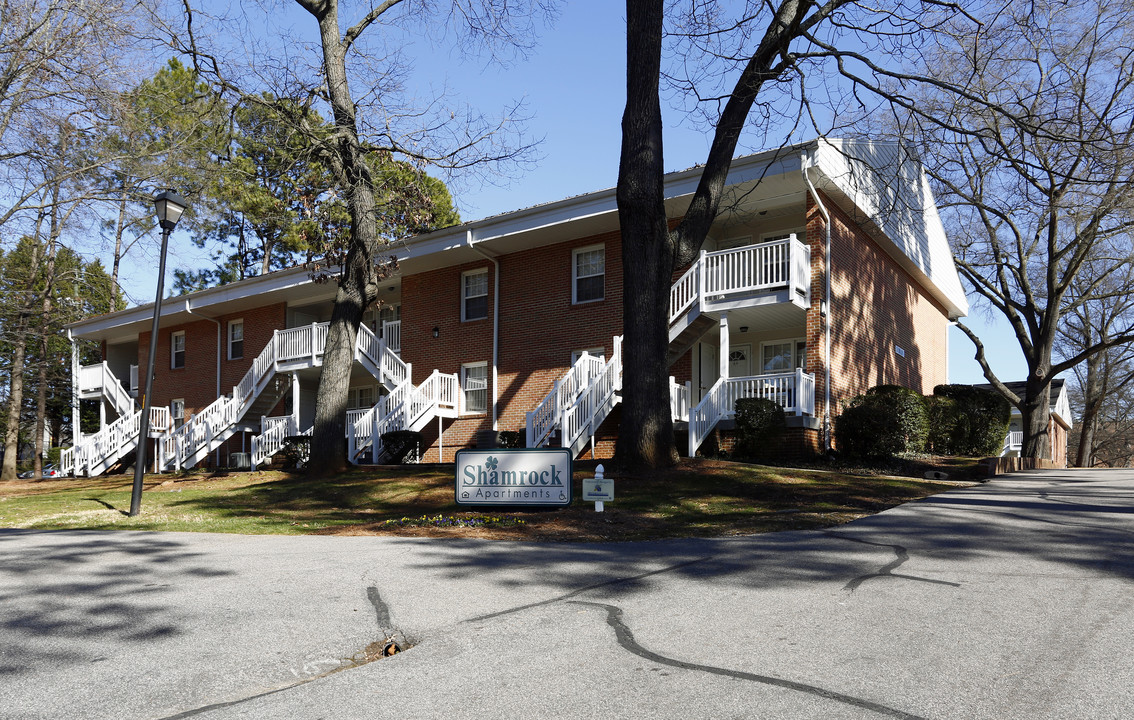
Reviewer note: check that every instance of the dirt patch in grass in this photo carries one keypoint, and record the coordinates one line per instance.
(697, 498)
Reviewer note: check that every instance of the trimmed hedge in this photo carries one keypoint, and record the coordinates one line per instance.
(973, 420)
(888, 420)
(759, 424)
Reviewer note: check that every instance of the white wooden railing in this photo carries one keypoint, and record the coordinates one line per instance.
(274, 432)
(205, 430)
(407, 408)
(99, 378)
(721, 274)
(680, 398)
(794, 392)
(548, 415)
(98, 450)
(582, 417)
(392, 334)
(186, 445)
(1013, 442)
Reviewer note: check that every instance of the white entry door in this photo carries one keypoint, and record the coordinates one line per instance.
(739, 361)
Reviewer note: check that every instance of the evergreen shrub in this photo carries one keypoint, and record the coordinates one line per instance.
(887, 421)
(759, 424)
(980, 421)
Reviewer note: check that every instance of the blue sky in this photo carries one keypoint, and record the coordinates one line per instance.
(574, 86)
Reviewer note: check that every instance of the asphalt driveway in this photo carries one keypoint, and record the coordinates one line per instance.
(1010, 599)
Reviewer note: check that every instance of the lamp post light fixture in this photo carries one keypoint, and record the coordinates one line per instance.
(169, 206)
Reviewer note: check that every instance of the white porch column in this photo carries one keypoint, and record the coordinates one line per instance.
(294, 401)
(723, 355)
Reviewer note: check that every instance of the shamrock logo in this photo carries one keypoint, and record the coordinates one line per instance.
(491, 463)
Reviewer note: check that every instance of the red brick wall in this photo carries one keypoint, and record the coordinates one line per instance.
(539, 328)
(197, 381)
(875, 306)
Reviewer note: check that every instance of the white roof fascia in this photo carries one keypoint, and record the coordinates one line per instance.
(680, 184)
(888, 185)
(201, 299)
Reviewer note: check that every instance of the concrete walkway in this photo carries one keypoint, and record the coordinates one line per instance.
(1012, 599)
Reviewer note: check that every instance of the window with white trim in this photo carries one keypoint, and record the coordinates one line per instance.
(361, 398)
(177, 349)
(588, 274)
(598, 352)
(177, 412)
(783, 355)
(474, 295)
(235, 339)
(474, 384)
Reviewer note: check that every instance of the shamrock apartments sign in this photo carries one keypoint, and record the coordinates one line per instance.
(540, 476)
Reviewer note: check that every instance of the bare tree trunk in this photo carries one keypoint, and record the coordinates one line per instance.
(15, 402)
(1093, 394)
(645, 437)
(357, 288)
(1036, 412)
(119, 230)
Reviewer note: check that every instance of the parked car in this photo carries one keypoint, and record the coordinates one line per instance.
(49, 470)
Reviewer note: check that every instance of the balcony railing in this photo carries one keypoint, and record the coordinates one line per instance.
(724, 275)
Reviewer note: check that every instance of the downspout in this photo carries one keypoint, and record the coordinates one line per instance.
(825, 310)
(495, 318)
(188, 309)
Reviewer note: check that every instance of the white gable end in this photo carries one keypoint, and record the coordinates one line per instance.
(886, 189)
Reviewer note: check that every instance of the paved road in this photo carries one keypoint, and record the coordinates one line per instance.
(1012, 599)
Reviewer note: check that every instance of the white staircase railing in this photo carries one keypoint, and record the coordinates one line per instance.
(794, 392)
(585, 414)
(407, 408)
(548, 415)
(392, 334)
(97, 452)
(273, 437)
(186, 445)
(679, 400)
(206, 430)
(99, 380)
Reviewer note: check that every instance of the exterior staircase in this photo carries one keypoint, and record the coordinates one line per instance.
(258, 391)
(408, 407)
(289, 350)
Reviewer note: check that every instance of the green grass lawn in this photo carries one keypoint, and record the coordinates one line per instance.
(697, 498)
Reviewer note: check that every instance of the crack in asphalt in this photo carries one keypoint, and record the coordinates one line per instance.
(369, 655)
(901, 556)
(626, 639)
(580, 591)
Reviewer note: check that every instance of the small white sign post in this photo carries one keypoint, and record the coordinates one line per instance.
(598, 489)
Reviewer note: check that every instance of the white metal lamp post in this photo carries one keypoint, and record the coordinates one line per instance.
(169, 207)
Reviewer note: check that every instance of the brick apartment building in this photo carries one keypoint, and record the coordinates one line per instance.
(827, 273)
